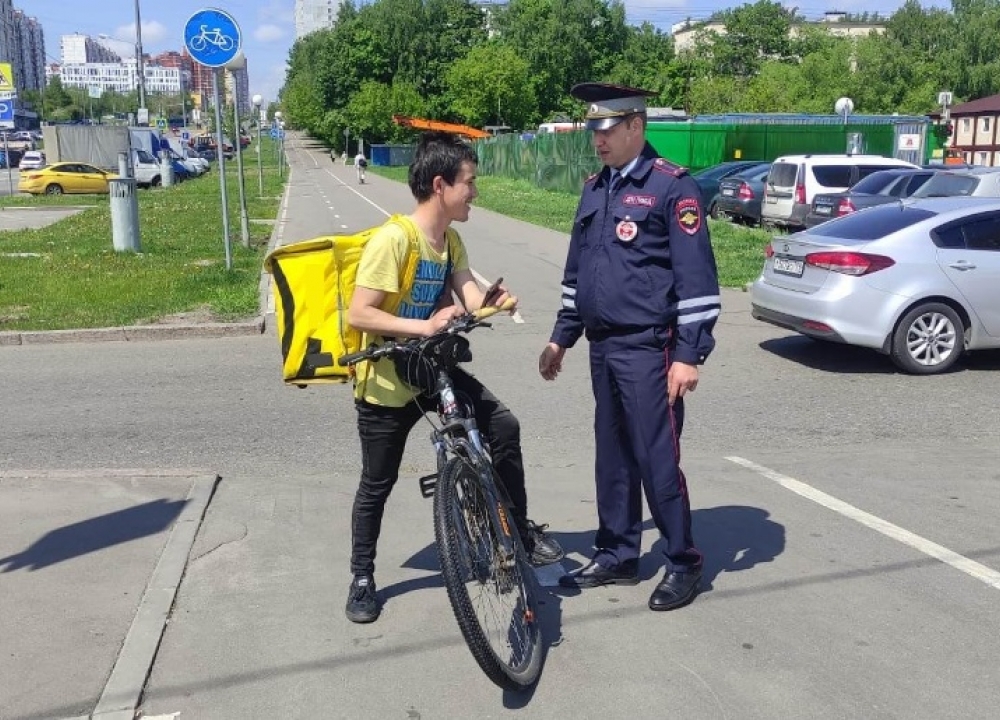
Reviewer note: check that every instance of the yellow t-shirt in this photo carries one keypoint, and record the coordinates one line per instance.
(381, 268)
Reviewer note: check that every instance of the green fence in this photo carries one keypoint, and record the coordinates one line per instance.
(563, 161)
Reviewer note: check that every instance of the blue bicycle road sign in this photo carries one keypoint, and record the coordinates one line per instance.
(212, 37)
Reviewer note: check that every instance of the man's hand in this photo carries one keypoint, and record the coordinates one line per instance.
(550, 362)
(439, 320)
(681, 379)
(498, 297)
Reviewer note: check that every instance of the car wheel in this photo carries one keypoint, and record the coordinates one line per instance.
(156, 181)
(53, 189)
(713, 211)
(929, 339)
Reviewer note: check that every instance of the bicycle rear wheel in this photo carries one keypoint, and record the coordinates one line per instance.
(492, 596)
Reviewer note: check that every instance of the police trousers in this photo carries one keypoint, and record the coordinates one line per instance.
(638, 449)
(383, 432)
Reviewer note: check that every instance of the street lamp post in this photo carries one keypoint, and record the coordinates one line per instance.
(138, 57)
(277, 124)
(238, 63)
(257, 102)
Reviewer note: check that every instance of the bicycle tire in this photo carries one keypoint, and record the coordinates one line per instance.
(460, 500)
(198, 43)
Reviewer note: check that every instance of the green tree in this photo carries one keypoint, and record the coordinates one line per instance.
(492, 85)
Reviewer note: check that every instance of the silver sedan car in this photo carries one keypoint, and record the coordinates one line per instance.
(918, 281)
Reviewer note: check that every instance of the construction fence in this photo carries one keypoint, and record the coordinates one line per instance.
(563, 161)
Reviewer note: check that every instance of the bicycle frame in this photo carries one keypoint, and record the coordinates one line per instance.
(459, 435)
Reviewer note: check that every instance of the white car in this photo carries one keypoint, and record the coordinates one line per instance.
(32, 160)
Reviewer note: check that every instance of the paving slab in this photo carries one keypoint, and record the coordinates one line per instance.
(88, 571)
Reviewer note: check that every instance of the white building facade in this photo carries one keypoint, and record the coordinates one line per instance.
(80, 49)
(121, 76)
(313, 15)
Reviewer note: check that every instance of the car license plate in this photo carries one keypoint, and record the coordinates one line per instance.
(728, 192)
(824, 209)
(771, 200)
(786, 266)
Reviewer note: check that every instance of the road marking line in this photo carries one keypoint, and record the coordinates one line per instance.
(959, 562)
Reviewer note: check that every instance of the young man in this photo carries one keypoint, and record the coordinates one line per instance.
(640, 281)
(442, 179)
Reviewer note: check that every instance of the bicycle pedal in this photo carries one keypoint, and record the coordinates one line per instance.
(427, 485)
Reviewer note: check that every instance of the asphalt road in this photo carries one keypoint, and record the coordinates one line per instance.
(847, 513)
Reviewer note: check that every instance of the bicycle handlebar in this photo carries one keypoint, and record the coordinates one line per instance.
(463, 323)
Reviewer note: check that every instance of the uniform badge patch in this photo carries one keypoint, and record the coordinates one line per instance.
(688, 215)
(626, 230)
(639, 200)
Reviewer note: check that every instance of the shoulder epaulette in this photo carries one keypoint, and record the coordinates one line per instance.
(669, 167)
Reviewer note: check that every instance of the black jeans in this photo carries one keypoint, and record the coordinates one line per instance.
(383, 432)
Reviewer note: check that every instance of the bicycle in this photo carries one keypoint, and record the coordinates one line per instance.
(215, 37)
(486, 572)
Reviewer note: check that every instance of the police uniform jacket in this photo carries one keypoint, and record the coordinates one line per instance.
(640, 257)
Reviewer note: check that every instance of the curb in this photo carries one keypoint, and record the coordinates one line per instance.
(134, 333)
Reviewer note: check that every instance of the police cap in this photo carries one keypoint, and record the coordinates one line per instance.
(608, 105)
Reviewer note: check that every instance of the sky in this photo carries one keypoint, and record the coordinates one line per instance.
(268, 26)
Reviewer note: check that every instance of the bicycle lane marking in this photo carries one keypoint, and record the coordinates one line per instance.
(927, 547)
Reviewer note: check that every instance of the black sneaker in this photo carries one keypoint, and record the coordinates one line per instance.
(362, 603)
(542, 549)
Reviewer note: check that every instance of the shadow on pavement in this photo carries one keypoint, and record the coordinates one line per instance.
(730, 537)
(95, 534)
(829, 356)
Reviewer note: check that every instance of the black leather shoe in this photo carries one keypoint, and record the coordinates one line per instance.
(594, 575)
(675, 590)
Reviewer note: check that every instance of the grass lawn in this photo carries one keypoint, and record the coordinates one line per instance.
(67, 275)
(739, 251)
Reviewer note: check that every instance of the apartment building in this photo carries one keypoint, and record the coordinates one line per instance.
(685, 33)
(121, 76)
(28, 56)
(78, 49)
(313, 15)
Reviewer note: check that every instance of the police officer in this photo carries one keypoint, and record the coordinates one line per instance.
(640, 282)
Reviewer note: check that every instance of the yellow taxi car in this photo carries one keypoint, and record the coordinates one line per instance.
(65, 177)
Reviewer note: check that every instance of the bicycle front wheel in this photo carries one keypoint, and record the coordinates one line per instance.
(491, 592)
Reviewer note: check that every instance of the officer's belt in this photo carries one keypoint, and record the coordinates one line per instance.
(624, 331)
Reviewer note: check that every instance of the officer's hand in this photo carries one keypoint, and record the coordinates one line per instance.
(439, 320)
(681, 379)
(550, 362)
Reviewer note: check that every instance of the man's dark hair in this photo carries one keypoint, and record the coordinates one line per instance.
(438, 153)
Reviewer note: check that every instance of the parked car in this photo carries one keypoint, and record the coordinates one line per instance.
(708, 180)
(879, 188)
(974, 182)
(795, 180)
(32, 160)
(740, 195)
(65, 177)
(916, 281)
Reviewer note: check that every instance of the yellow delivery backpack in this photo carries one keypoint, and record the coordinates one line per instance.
(313, 282)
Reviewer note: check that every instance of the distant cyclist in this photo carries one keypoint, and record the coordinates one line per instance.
(360, 163)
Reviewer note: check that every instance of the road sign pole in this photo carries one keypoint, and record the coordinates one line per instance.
(221, 156)
(213, 39)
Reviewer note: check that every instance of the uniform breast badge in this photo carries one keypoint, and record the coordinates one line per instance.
(626, 230)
